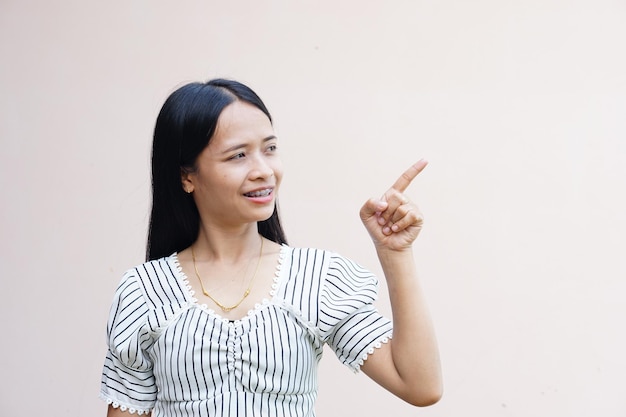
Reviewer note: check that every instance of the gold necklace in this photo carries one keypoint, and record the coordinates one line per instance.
(224, 308)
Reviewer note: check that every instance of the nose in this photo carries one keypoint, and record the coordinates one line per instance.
(261, 168)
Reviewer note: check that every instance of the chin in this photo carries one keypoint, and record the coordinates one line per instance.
(266, 217)
(262, 214)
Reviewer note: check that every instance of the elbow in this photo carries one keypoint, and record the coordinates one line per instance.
(426, 401)
(425, 398)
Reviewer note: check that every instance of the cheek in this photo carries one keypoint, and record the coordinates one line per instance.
(278, 173)
(218, 182)
(277, 166)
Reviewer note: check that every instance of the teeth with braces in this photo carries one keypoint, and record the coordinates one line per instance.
(261, 193)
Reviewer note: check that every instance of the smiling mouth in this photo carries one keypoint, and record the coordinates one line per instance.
(259, 193)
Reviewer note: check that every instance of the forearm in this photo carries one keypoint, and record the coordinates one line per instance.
(414, 349)
(409, 365)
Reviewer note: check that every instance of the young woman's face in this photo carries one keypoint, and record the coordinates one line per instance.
(238, 174)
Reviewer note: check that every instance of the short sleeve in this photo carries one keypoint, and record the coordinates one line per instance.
(349, 322)
(127, 378)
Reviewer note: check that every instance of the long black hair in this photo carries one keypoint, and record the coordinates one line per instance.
(184, 127)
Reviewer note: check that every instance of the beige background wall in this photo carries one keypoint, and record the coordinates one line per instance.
(520, 106)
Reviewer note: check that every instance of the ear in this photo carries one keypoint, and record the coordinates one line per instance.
(185, 179)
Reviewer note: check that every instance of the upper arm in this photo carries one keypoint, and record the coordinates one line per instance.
(127, 377)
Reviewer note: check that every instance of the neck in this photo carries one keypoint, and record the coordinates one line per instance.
(229, 246)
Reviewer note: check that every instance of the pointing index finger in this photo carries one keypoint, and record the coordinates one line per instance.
(409, 175)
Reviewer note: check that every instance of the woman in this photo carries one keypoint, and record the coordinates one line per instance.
(225, 318)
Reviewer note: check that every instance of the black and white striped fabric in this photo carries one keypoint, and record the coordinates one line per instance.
(174, 357)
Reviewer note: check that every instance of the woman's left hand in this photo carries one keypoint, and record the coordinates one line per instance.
(393, 221)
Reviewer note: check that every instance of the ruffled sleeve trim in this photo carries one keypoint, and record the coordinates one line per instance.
(125, 407)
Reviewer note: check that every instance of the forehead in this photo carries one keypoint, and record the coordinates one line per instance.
(242, 121)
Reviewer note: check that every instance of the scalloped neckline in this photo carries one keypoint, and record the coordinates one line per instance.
(264, 302)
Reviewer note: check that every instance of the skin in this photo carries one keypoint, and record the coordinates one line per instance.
(409, 365)
(241, 157)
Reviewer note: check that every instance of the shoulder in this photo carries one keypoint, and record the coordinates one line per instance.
(305, 258)
(154, 267)
(310, 252)
(160, 281)
(322, 262)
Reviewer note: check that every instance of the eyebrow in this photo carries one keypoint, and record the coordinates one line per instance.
(243, 145)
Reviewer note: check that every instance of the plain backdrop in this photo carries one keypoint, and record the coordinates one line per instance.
(520, 107)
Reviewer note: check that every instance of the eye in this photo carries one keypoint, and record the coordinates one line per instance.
(272, 148)
(238, 156)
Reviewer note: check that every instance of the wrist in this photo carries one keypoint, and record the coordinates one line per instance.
(387, 252)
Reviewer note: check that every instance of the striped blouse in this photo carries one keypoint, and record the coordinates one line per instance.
(172, 356)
